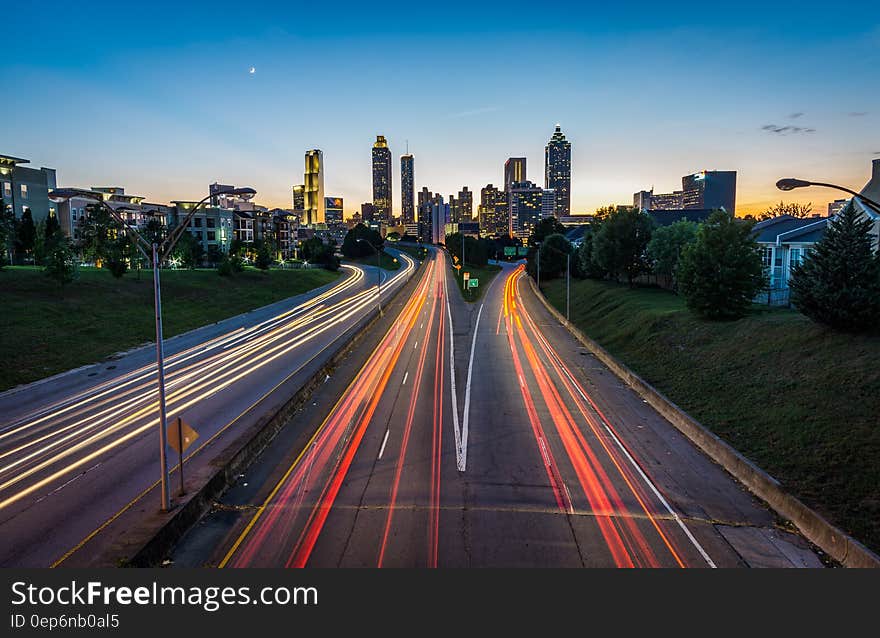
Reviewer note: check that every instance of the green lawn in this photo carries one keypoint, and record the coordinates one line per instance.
(800, 400)
(387, 262)
(483, 275)
(46, 330)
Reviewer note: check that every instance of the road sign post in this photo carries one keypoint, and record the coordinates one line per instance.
(180, 439)
(473, 283)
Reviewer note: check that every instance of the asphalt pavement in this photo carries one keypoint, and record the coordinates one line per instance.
(484, 435)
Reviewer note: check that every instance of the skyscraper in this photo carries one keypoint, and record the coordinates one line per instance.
(493, 212)
(548, 203)
(299, 197)
(407, 189)
(557, 171)
(524, 208)
(514, 171)
(464, 206)
(313, 190)
(382, 179)
(710, 189)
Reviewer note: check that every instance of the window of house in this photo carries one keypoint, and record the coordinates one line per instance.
(197, 222)
(7, 189)
(24, 191)
(212, 236)
(209, 223)
(795, 257)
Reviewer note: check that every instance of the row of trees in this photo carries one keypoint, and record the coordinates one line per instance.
(717, 267)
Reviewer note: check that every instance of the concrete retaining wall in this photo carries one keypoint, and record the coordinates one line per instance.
(840, 546)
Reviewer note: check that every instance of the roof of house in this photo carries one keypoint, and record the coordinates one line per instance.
(667, 216)
(788, 229)
(576, 233)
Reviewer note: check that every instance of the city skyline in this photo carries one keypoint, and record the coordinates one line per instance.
(645, 95)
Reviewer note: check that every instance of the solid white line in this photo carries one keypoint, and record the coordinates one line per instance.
(405, 377)
(462, 457)
(638, 468)
(384, 441)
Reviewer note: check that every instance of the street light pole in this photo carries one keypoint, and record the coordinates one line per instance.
(791, 183)
(160, 375)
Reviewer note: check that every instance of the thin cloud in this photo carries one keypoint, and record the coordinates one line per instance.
(795, 116)
(787, 130)
(479, 111)
(858, 114)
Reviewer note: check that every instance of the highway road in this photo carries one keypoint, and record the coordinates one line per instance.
(484, 435)
(80, 448)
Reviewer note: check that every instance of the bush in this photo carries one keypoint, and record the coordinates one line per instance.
(229, 265)
(720, 273)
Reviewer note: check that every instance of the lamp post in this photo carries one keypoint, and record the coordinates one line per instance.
(791, 183)
(378, 272)
(155, 253)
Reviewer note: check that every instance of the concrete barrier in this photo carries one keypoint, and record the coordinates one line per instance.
(840, 546)
(242, 453)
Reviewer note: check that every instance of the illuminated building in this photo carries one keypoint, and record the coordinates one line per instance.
(368, 212)
(439, 219)
(709, 190)
(514, 171)
(492, 212)
(462, 209)
(525, 200)
(299, 198)
(407, 189)
(313, 201)
(836, 207)
(548, 203)
(382, 179)
(557, 171)
(333, 210)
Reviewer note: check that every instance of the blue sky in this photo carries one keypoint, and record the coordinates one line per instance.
(158, 97)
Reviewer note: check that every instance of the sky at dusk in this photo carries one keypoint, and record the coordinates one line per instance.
(159, 98)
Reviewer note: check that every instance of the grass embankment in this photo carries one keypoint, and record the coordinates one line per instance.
(800, 400)
(46, 330)
(483, 275)
(415, 252)
(386, 261)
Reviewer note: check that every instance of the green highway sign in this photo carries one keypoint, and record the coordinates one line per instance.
(509, 251)
(523, 250)
(473, 283)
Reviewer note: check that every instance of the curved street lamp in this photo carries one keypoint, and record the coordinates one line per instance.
(157, 254)
(791, 183)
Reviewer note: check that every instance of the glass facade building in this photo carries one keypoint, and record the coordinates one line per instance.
(407, 189)
(557, 171)
(382, 200)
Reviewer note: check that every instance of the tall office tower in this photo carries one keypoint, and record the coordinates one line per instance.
(453, 209)
(299, 197)
(524, 208)
(710, 189)
(407, 189)
(382, 179)
(514, 171)
(424, 208)
(548, 203)
(557, 171)
(439, 219)
(315, 212)
(465, 204)
(492, 212)
(333, 211)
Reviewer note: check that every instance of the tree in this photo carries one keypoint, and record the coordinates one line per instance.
(552, 253)
(99, 231)
(619, 245)
(215, 255)
(393, 236)
(118, 253)
(315, 251)
(26, 233)
(667, 242)
(189, 250)
(794, 209)
(354, 249)
(61, 265)
(476, 251)
(838, 283)
(7, 233)
(720, 272)
(264, 258)
(586, 254)
(544, 228)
